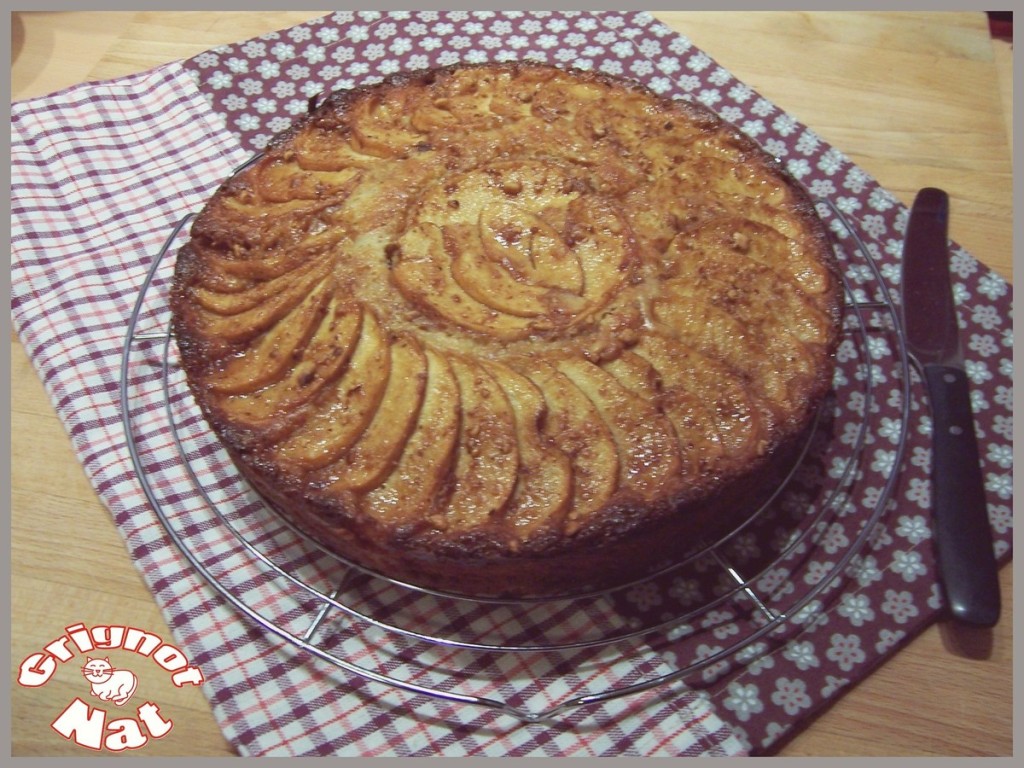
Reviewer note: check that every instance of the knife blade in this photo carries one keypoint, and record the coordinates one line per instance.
(963, 537)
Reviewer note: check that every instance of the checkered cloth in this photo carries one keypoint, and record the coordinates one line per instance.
(101, 173)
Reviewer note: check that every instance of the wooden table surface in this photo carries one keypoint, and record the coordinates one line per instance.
(915, 99)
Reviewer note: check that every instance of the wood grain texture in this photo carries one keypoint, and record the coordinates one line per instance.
(915, 99)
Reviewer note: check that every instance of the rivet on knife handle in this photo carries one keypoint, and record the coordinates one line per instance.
(963, 536)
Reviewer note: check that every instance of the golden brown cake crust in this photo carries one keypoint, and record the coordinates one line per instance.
(509, 329)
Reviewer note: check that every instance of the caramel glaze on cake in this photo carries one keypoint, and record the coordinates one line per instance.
(509, 330)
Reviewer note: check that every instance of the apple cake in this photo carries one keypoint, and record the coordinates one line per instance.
(509, 330)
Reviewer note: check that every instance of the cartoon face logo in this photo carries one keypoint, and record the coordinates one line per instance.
(109, 684)
(88, 726)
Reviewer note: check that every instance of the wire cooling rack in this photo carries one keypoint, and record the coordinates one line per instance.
(533, 660)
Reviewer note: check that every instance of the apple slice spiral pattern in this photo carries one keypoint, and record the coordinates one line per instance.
(508, 329)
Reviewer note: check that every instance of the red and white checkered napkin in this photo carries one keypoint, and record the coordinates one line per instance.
(100, 175)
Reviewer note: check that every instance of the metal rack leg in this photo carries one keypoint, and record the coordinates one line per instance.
(735, 576)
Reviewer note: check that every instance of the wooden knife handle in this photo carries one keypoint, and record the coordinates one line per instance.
(963, 536)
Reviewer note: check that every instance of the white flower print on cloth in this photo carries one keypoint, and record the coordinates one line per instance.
(791, 695)
(845, 651)
(744, 700)
(802, 655)
(900, 605)
(856, 608)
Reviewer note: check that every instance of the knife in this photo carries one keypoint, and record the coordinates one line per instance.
(963, 538)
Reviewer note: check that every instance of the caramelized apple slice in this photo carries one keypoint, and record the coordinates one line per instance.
(604, 245)
(732, 147)
(528, 247)
(422, 273)
(373, 457)
(281, 180)
(544, 487)
(569, 94)
(659, 211)
(574, 425)
(487, 458)
(765, 244)
(714, 416)
(253, 207)
(430, 115)
(260, 294)
(424, 467)
(220, 334)
(223, 282)
(274, 412)
(709, 405)
(251, 264)
(517, 186)
(635, 374)
(508, 107)
(732, 180)
(243, 229)
(524, 85)
(729, 259)
(324, 148)
(648, 450)
(343, 413)
(747, 190)
(778, 365)
(638, 375)
(467, 96)
(380, 125)
(594, 120)
(268, 359)
(200, 264)
(494, 285)
(791, 225)
(631, 126)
